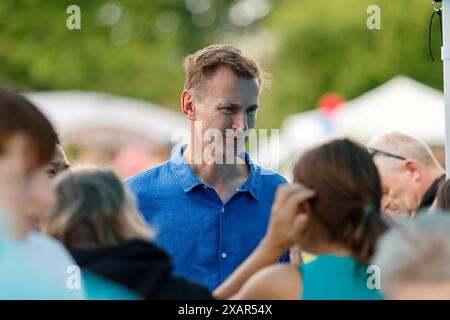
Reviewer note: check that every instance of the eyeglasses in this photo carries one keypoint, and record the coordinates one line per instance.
(373, 152)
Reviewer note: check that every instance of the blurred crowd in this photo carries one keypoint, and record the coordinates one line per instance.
(364, 222)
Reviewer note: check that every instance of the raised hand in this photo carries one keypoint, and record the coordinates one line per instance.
(286, 222)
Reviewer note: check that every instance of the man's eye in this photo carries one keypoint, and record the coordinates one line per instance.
(251, 110)
(229, 110)
(385, 191)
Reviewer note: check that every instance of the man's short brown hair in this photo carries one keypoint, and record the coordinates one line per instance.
(19, 116)
(203, 63)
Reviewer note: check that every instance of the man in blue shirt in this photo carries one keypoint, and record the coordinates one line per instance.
(209, 203)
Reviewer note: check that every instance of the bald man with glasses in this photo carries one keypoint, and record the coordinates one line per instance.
(410, 173)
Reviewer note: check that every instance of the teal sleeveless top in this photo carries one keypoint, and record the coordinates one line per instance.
(331, 277)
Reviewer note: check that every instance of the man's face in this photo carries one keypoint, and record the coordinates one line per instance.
(25, 193)
(59, 162)
(400, 189)
(228, 104)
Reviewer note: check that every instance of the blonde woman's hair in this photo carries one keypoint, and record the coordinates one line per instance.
(93, 208)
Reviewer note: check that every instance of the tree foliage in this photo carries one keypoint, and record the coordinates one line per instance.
(310, 47)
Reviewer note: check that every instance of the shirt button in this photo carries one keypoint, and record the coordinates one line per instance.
(224, 255)
(222, 209)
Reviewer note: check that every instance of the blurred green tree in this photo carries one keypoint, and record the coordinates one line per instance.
(136, 47)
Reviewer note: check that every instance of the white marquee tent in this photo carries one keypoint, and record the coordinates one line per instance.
(400, 104)
(72, 111)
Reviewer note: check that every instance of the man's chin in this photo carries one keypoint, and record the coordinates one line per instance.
(401, 214)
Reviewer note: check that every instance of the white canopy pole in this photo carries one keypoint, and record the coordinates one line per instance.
(446, 62)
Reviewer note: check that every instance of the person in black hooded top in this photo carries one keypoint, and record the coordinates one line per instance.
(98, 221)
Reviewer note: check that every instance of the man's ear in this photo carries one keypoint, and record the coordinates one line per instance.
(413, 169)
(187, 105)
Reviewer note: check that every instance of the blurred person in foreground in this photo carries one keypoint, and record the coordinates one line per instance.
(332, 211)
(410, 173)
(32, 265)
(414, 259)
(210, 202)
(97, 219)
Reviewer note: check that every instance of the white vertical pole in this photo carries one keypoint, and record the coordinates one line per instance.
(446, 61)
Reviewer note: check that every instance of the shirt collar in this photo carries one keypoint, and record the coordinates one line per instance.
(182, 171)
(253, 183)
(188, 180)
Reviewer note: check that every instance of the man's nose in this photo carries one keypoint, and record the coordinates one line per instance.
(384, 203)
(241, 122)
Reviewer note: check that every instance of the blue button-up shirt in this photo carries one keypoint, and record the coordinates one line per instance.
(206, 238)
